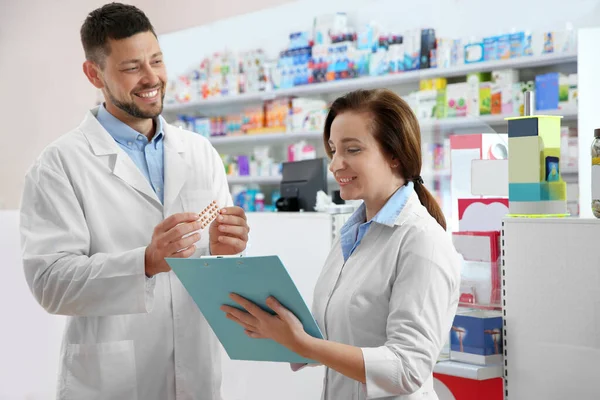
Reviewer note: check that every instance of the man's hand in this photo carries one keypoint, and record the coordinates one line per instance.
(168, 241)
(229, 232)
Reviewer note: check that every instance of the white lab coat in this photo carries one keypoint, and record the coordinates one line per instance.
(395, 298)
(87, 215)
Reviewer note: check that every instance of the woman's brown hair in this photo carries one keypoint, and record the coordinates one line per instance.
(396, 128)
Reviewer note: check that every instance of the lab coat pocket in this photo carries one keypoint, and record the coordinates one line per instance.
(196, 200)
(100, 371)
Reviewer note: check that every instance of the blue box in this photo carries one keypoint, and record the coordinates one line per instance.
(490, 48)
(517, 44)
(503, 49)
(477, 333)
(546, 91)
(474, 53)
(538, 191)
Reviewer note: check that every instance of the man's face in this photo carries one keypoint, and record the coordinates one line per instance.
(134, 76)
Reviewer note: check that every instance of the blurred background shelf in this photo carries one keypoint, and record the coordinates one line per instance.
(446, 124)
(347, 85)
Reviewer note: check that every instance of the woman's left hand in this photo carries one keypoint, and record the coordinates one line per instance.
(283, 327)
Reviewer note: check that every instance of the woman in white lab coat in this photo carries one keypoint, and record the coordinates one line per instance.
(388, 292)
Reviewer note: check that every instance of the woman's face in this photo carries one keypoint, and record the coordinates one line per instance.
(359, 165)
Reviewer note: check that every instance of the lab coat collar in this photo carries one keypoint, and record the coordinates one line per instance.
(393, 207)
(413, 206)
(391, 214)
(101, 142)
(175, 165)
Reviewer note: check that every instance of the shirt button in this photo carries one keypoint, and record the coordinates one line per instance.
(140, 138)
(158, 190)
(130, 143)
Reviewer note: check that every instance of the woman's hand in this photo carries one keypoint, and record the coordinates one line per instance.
(287, 330)
(283, 327)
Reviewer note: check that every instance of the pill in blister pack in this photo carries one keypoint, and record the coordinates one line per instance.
(209, 213)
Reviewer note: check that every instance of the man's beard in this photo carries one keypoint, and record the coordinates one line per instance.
(132, 109)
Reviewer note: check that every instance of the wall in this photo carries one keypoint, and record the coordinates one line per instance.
(30, 338)
(44, 91)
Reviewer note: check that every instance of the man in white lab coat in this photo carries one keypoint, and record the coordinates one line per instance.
(102, 208)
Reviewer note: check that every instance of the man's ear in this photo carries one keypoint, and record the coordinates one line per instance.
(92, 72)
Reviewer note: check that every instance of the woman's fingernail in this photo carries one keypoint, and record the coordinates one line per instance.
(221, 218)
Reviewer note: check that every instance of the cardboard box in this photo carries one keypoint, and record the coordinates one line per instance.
(476, 337)
(485, 98)
(480, 271)
(546, 92)
(456, 99)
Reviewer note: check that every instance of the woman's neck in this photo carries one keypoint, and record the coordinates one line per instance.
(373, 206)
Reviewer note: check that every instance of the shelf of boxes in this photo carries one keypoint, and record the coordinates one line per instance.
(346, 85)
(276, 179)
(264, 138)
(262, 180)
(433, 124)
(447, 124)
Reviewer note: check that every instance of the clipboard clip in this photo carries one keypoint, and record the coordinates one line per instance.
(237, 256)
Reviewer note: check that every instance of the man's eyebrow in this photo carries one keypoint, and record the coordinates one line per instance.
(137, 60)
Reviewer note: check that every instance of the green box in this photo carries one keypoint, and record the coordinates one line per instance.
(485, 98)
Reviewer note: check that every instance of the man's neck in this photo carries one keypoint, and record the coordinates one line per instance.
(145, 126)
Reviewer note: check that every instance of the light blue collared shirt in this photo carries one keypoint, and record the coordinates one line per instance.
(357, 226)
(148, 156)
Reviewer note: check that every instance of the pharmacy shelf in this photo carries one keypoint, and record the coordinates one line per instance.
(261, 180)
(426, 173)
(249, 179)
(259, 138)
(264, 180)
(445, 124)
(469, 371)
(347, 85)
(275, 180)
(427, 176)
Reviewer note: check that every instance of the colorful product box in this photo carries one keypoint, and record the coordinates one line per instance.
(517, 44)
(476, 337)
(503, 47)
(474, 81)
(490, 48)
(474, 52)
(485, 98)
(427, 46)
(456, 99)
(546, 91)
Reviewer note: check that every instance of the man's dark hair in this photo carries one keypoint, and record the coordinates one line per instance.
(112, 21)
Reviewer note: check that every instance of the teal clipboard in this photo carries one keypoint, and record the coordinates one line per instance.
(209, 281)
